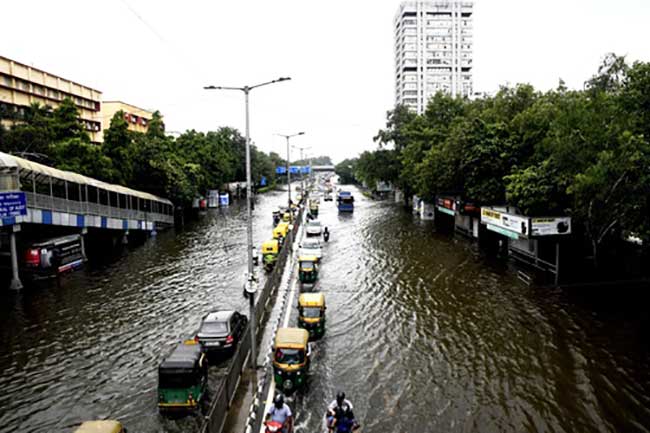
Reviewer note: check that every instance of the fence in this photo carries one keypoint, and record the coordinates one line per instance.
(221, 400)
(48, 202)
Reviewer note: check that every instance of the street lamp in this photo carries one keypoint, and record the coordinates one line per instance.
(287, 137)
(250, 283)
(302, 158)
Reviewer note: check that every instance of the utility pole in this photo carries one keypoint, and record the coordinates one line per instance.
(250, 288)
(287, 137)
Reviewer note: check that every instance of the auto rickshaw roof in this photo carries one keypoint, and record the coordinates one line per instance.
(270, 244)
(184, 356)
(307, 258)
(106, 426)
(311, 300)
(291, 338)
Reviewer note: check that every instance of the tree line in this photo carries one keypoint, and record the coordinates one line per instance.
(583, 153)
(179, 168)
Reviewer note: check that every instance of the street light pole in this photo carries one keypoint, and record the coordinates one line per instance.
(250, 287)
(302, 158)
(287, 137)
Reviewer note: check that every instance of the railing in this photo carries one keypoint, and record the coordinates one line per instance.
(216, 417)
(48, 202)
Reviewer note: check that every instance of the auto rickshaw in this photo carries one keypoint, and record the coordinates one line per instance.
(291, 358)
(280, 232)
(104, 426)
(311, 314)
(270, 250)
(277, 216)
(307, 269)
(183, 378)
(313, 207)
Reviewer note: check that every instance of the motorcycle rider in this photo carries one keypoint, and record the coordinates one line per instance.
(338, 408)
(280, 412)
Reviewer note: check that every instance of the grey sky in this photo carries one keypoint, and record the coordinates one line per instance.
(339, 54)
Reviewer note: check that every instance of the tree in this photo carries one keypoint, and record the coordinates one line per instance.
(118, 147)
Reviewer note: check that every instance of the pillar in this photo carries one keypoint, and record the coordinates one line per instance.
(15, 277)
(84, 232)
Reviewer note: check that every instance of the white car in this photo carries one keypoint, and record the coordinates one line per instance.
(311, 247)
(314, 228)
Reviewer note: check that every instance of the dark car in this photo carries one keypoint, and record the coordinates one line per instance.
(221, 331)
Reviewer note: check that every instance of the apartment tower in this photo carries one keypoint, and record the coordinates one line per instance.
(433, 50)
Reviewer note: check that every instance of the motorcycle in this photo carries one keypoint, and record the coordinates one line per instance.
(273, 427)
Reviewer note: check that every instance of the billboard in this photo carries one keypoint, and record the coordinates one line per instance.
(550, 226)
(518, 224)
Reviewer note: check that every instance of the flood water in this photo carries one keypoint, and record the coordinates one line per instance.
(424, 334)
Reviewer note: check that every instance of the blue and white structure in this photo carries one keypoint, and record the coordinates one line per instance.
(33, 193)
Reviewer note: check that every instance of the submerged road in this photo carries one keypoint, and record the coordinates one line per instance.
(423, 333)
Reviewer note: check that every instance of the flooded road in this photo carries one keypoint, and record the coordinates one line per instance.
(90, 348)
(425, 336)
(423, 333)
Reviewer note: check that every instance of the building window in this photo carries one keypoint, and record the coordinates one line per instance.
(7, 80)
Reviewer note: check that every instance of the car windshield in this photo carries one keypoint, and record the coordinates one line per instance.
(307, 265)
(289, 356)
(310, 244)
(311, 312)
(214, 328)
(315, 224)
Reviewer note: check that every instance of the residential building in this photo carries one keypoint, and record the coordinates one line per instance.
(22, 85)
(433, 50)
(137, 118)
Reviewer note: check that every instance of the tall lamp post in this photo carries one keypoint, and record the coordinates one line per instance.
(250, 283)
(302, 158)
(287, 137)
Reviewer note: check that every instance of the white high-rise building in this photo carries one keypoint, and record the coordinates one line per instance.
(433, 50)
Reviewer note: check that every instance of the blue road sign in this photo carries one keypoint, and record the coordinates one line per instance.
(263, 181)
(294, 169)
(12, 204)
(281, 170)
(305, 170)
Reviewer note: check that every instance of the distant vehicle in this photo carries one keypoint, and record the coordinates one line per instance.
(345, 201)
(52, 257)
(311, 314)
(314, 228)
(183, 378)
(221, 331)
(311, 247)
(104, 426)
(270, 251)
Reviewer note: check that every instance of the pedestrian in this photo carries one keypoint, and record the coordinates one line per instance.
(326, 234)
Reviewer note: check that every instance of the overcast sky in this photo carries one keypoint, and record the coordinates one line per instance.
(159, 54)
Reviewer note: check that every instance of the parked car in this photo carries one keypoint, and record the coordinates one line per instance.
(311, 247)
(314, 228)
(221, 331)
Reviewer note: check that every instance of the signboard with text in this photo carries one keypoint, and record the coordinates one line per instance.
(12, 204)
(518, 224)
(550, 226)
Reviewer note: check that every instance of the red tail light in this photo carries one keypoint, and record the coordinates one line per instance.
(230, 339)
(196, 338)
(33, 257)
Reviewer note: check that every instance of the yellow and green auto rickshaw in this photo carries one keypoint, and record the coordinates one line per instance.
(183, 378)
(270, 250)
(307, 269)
(104, 426)
(313, 207)
(311, 314)
(280, 232)
(291, 358)
(286, 216)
